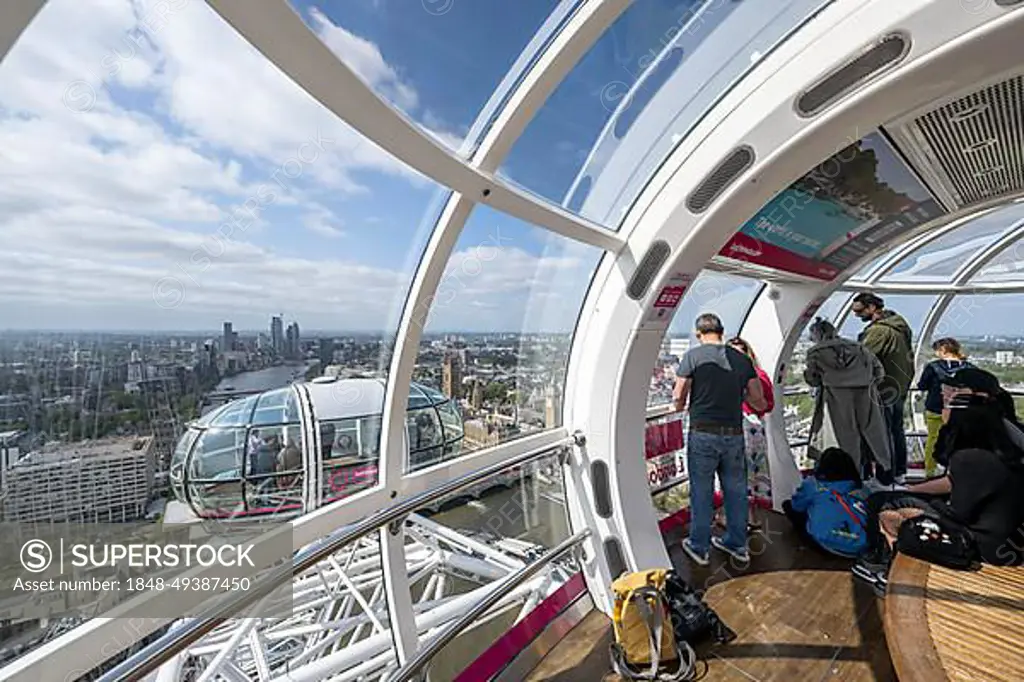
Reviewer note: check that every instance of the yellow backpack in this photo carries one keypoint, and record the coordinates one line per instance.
(644, 637)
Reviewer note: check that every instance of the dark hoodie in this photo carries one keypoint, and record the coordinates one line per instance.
(889, 338)
(931, 381)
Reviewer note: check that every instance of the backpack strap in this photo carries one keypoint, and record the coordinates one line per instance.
(846, 508)
(654, 620)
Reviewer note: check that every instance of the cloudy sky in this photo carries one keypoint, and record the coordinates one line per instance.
(129, 142)
(133, 140)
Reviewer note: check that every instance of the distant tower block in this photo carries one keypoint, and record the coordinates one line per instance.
(477, 400)
(451, 376)
(551, 406)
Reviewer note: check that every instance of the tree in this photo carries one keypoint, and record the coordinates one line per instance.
(495, 391)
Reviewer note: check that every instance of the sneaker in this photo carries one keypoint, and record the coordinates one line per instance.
(866, 573)
(740, 555)
(876, 562)
(699, 559)
(901, 480)
(876, 579)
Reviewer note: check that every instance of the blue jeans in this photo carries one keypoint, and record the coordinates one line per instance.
(898, 436)
(706, 455)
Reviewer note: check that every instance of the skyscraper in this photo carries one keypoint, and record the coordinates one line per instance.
(326, 352)
(228, 343)
(277, 334)
(291, 345)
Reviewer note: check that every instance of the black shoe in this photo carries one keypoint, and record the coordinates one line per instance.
(875, 562)
(875, 579)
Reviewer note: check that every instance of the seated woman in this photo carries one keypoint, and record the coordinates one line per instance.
(980, 492)
(828, 508)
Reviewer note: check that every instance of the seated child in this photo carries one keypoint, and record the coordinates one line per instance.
(828, 508)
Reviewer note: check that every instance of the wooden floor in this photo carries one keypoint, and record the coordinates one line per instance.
(798, 613)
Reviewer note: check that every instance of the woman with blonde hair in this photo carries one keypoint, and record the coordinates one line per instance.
(759, 483)
(949, 359)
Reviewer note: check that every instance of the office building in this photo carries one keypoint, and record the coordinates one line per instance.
(108, 480)
(277, 334)
(326, 353)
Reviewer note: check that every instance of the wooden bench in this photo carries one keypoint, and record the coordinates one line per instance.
(942, 624)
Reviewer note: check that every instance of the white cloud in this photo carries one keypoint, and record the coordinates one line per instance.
(365, 58)
(120, 184)
(323, 222)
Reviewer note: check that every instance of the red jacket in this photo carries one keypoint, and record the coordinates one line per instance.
(769, 394)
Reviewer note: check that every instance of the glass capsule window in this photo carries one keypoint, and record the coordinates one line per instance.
(349, 455)
(250, 456)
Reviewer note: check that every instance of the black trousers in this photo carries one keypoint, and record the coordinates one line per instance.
(889, 500)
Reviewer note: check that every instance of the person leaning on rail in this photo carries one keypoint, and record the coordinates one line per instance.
(713, 380)
(847, 408)
(949, 359)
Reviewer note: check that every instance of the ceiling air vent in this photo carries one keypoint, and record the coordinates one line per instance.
(873, 61)
(724, 174)
(970, 147)
(650, 264)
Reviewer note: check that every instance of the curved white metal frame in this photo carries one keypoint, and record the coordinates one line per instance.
(759, 112)
(961, 278)
(925, 235)
(615, 344)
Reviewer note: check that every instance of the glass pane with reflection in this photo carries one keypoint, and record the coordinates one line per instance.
(439, 62)
(498, 333)
(479, 536)
(938, 260)
(194, 217)
(643, 87)
(727, 295)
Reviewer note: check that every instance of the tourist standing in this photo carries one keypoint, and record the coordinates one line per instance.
(889, 337)
(949, 360)
(712, 381)
(847, 409)
(755, 439)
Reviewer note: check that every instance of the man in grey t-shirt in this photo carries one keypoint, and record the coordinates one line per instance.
(713, 380)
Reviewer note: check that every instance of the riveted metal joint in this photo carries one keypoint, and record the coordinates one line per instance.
(395, 527)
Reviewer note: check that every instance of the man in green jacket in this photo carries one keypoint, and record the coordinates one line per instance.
(889, 337)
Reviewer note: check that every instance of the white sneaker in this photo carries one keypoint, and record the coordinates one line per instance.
(699, 559)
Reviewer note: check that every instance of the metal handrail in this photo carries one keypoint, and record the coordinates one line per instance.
(415, 665)
(158, 652)
(804, 390)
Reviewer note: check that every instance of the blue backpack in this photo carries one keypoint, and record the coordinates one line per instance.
(836, 519)
(849, 536)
